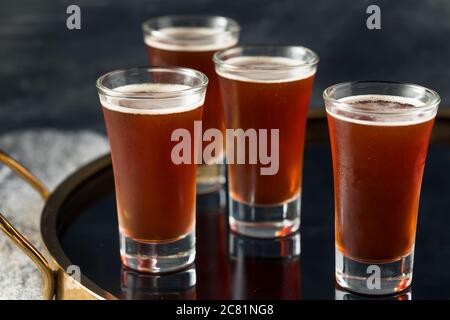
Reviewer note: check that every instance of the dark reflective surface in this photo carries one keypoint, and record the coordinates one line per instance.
(341, 294)
(173, 286)
(265, 269)
(234, 267)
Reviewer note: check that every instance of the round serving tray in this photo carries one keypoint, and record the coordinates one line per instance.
(79, 228)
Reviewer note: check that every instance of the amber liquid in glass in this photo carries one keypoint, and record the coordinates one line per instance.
(202, 61)
(194, 57)
(155, 197)
(378, 170)
(261, 104)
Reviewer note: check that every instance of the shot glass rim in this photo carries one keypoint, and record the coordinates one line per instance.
(343, 106)
(218, 57)
(231, 27)
(154, 95)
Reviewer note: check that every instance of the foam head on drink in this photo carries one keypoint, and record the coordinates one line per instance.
(379, 146)
(155, 197)
(192, 39)
(263, 92)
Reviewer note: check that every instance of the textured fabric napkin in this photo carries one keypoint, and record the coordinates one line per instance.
(51, 155)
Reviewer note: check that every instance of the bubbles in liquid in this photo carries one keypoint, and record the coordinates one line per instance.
(383, 110)
(191, 39)
(265, 69)
(152, 105)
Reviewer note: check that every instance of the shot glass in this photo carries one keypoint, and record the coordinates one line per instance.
(190, 41)
(379, 134)
(266, 92)
(143, 108)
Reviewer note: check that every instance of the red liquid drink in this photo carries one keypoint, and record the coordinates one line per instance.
(191, 41)
(155, 193)
(155, 197)
(194, 56)
(379, 144)
(378, 175)
(266, 88)
(265, 104)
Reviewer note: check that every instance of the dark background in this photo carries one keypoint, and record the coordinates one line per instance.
(47, 72)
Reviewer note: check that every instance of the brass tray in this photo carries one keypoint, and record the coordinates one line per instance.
(79, 229)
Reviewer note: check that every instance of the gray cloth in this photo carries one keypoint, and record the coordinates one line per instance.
(51, 155)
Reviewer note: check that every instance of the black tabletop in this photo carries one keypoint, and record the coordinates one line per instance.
(228, 266)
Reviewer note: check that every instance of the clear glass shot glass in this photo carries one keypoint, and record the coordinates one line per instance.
(155, 191)
(190, 41)
(379, 134)
(266, 92)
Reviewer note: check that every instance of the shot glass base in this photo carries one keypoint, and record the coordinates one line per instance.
(265, 221)
(157, 257)
(210, 178)
(374, 278)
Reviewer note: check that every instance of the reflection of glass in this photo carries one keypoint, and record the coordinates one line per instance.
(212, 258)
(266, 88)
(265, 268)
(145, 286)
(341, 294)
(379, 134)
(142, 107)
(190, 41)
